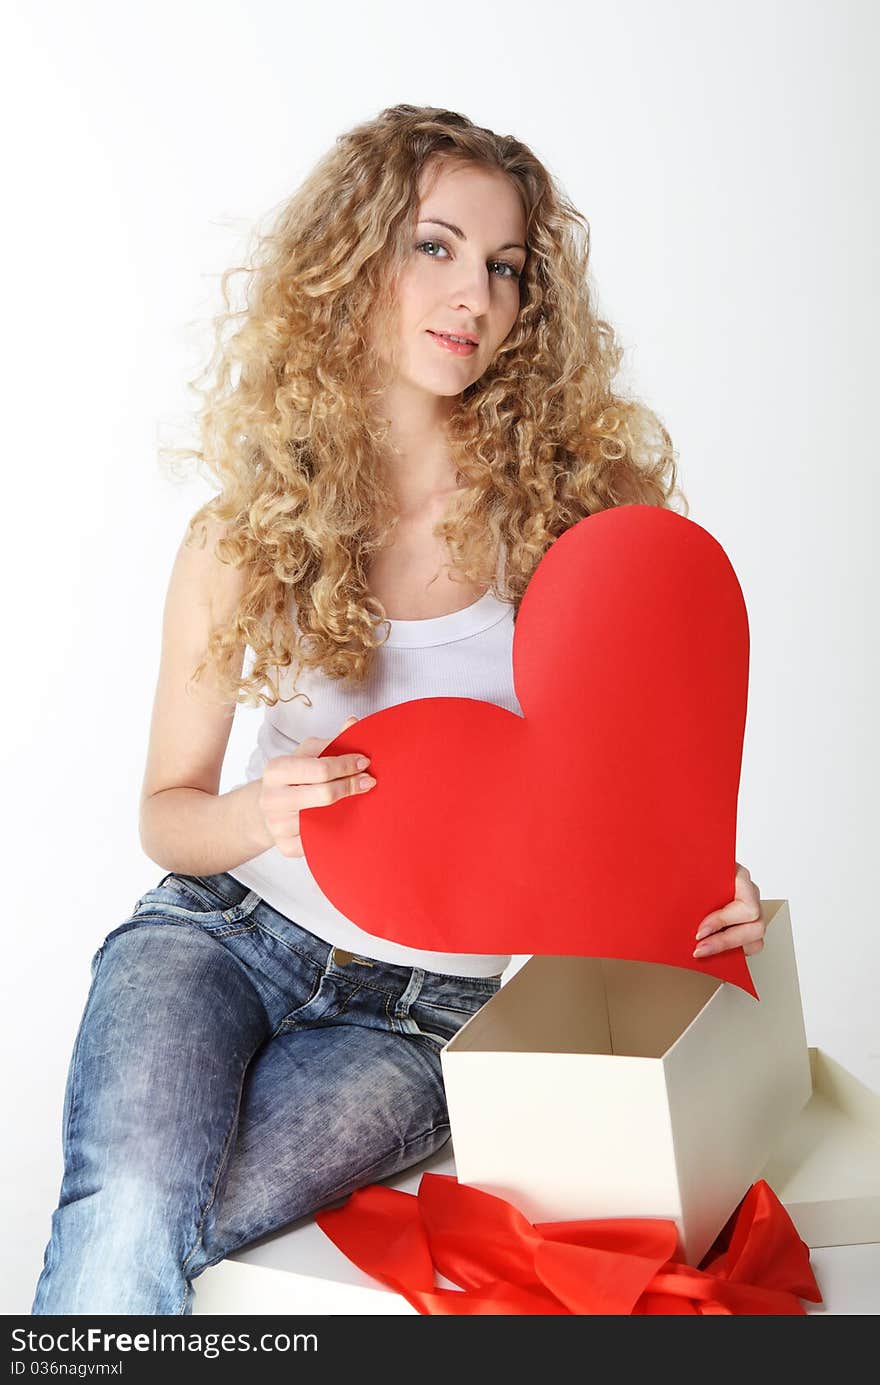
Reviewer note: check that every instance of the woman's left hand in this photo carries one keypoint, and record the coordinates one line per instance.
(738, 924)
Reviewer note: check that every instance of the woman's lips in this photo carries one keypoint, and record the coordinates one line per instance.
(458, 348)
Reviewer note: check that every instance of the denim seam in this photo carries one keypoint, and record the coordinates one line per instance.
(145, 904)
(283, 1022)
(454, 976)
(209, 911)
(335, 1013)
(209, 897)
(227, 930)
(227, 1146)
(436, 1041)
(362, 985)
(383, 990)
(451, 976)
(76, 1048)
(271, 1230)
(303, 956)
(416, 1139)
(193, 919)
(458, 1010)
(187, 902)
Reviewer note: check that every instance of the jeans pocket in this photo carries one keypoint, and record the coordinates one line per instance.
(443, 1006)
(219, 903)
(315, 1005)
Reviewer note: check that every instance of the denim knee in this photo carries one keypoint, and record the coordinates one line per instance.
(118, 1249)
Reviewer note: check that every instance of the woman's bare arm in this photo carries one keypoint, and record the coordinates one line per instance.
(185, 824)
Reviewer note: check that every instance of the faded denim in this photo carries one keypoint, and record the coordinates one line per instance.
(232, 1073)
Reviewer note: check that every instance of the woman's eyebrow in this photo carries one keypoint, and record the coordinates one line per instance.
(457, 231)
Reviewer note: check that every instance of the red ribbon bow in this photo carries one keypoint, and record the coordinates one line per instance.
(504, 1264)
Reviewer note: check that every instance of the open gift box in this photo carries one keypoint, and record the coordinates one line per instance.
(591, 1088)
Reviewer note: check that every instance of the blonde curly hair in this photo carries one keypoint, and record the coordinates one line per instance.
(539, 441)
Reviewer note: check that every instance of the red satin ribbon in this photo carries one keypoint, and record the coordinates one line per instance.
(504, 1264)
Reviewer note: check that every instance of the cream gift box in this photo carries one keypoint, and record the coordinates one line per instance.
(603, 1088)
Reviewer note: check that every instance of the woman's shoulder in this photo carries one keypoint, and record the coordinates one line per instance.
(215, 581)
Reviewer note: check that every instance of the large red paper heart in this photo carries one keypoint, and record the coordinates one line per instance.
(600, 823)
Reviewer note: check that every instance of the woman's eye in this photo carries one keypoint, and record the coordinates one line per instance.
(514, 273)
(435, 243)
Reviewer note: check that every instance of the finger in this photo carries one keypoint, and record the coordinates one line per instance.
(728, 938)
(344, 766)
(745, 888)
(737, 911)
(320, 794)
(293, 770)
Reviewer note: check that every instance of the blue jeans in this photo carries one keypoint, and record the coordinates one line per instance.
(232, 1073)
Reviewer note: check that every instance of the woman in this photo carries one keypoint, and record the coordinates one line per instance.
(247, 1054)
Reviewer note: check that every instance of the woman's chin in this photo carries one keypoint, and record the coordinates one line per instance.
(435, 383)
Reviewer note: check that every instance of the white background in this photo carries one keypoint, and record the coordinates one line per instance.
(723, 155)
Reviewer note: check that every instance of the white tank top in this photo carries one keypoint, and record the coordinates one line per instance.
(467, 653)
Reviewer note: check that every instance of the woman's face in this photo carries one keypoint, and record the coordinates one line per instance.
(466, 284)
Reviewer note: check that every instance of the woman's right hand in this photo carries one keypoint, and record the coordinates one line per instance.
(305, 780)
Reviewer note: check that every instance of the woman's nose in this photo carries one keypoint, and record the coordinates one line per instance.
(472, 293)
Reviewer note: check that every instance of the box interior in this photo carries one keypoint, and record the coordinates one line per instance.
(589, 1005)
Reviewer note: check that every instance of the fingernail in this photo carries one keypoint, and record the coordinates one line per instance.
(362, 762)
(703, 950)
(366, 781)
(703, 933)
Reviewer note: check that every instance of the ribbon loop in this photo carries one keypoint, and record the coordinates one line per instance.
(504, 1264)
